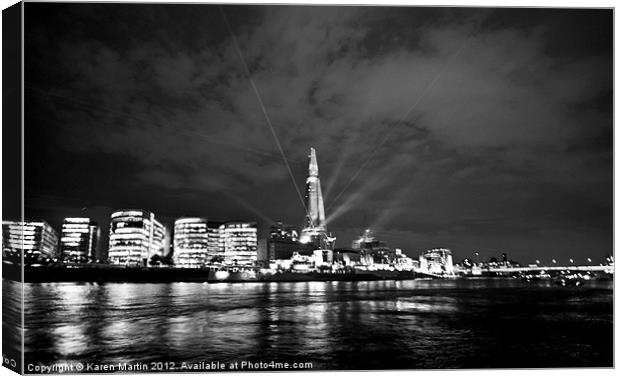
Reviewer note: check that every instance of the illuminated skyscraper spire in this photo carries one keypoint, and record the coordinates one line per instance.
(314, 228)
(315, 218)
(313, 168)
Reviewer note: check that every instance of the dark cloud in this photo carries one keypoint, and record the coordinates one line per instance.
(487, 130)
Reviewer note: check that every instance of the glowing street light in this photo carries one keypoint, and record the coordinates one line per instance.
(553, 261)
(570, 260)
(589, 259)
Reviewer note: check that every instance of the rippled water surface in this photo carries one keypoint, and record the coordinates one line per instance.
(334, 325)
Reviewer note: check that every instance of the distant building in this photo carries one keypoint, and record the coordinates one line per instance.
(262, 254)
(467, 263)
(281, 231)
(240, 241)
(372, 250)
(135, 237)
(191, 242)
(284, 241)
(323, 257)
(347, 257)
(367, 237)
(37, 239)
(406, 263)
(437, 261)
(79, 240)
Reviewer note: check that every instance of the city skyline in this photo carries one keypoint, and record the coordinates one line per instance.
(136, 236)
(505, 144)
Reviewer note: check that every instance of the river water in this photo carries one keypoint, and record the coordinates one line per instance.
(419, 324)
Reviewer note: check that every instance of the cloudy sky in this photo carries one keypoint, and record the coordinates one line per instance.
(472, 129)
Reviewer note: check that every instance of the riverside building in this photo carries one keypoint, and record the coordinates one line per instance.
(191, 242)
(437, 261)
(197, 241)
(240, 241)
(37, 239)
(215, 244)
(135, 237)
(79, 240)
(283, 242)
(373, 251)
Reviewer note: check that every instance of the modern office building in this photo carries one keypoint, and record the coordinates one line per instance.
(314, 229)
(37, 239)
(215, 244)
(199, 242)
(79, 240)
(191, 242)
(240, 242)
(437, 261)
(135, 237)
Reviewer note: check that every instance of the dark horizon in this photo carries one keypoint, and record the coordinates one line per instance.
(466, 128)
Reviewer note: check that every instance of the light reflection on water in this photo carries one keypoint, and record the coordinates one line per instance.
(336, 325)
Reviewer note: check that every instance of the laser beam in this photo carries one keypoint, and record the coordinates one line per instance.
(402, 119)
(263, 108)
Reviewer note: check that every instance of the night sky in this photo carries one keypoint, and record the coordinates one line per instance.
(471, 129)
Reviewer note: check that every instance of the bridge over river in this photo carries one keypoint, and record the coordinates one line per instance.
(609, 269)
(575, 268)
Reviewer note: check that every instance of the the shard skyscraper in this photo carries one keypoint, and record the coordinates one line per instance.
(314, 228)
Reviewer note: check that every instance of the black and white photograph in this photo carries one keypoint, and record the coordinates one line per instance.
(217, 187)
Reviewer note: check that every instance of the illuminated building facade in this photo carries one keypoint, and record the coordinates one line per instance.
(240, 242)
(79, 240)
(37, 239)
(347, 257)
(282, 232)
(374, 251)
(215, 244)
(199, 242)
(283, 242)
(135, 237)
(403, 262)
(437, 261)
(191, 242)
(315, 228)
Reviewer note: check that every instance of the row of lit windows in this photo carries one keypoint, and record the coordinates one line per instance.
(73, 236)
(185, 226)
(129, 213)
(76, 229)
(130, 230)
(77, 220)
(126, 251)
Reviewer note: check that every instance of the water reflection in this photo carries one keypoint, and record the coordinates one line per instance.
(336, 325)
